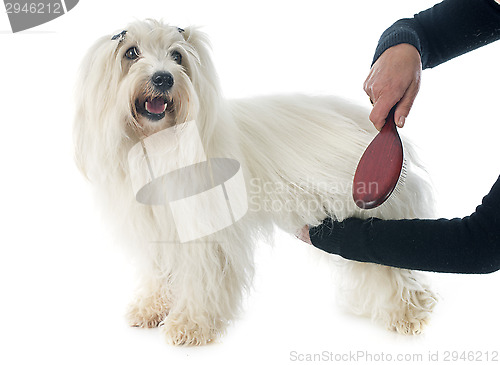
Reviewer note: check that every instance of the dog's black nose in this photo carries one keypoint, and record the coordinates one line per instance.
(163, 80)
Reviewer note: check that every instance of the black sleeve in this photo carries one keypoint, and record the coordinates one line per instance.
(445, 31)
(468, 245)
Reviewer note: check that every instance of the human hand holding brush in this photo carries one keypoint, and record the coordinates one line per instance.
(392, 85)
(394, 79)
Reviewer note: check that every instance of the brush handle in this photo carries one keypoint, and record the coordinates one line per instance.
(390, 124)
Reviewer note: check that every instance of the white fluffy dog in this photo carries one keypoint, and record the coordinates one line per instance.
(298, 153)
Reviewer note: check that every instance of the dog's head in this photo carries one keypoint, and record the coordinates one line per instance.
(154, 64)
(146, 78)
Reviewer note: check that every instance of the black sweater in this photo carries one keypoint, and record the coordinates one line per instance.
(445, 31)
(468, 245)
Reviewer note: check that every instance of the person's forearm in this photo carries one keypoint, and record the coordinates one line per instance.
(469, 245)
(445, 31)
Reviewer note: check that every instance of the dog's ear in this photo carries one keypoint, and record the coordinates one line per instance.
(200, 44)
(97, 80)
(204, 78)
(196, 38)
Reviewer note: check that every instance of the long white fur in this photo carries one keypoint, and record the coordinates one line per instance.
(298, 154)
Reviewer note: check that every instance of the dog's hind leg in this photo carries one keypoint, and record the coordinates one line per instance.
(397, 298)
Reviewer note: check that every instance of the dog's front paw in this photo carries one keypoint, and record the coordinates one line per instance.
(147, 312)
(418, 306)
(179, 331)
(410, 326)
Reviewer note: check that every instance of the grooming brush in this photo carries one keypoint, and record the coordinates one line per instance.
(381, 167)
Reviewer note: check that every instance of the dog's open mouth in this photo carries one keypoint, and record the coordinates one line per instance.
(154, 108)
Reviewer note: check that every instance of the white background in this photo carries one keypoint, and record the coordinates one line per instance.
(64, 285)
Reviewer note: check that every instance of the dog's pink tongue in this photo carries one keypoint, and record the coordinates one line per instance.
(155, 106)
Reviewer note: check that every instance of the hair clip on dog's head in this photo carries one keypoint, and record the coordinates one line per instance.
(120, 36)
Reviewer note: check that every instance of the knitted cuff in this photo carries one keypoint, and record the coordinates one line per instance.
(327, 236)
(403, 31)
(349, 238)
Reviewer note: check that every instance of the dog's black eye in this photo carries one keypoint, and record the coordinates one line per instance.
(132, 53)
(177, 57)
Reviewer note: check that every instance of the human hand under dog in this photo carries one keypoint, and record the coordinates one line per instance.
(303, 235)
(394, 79)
